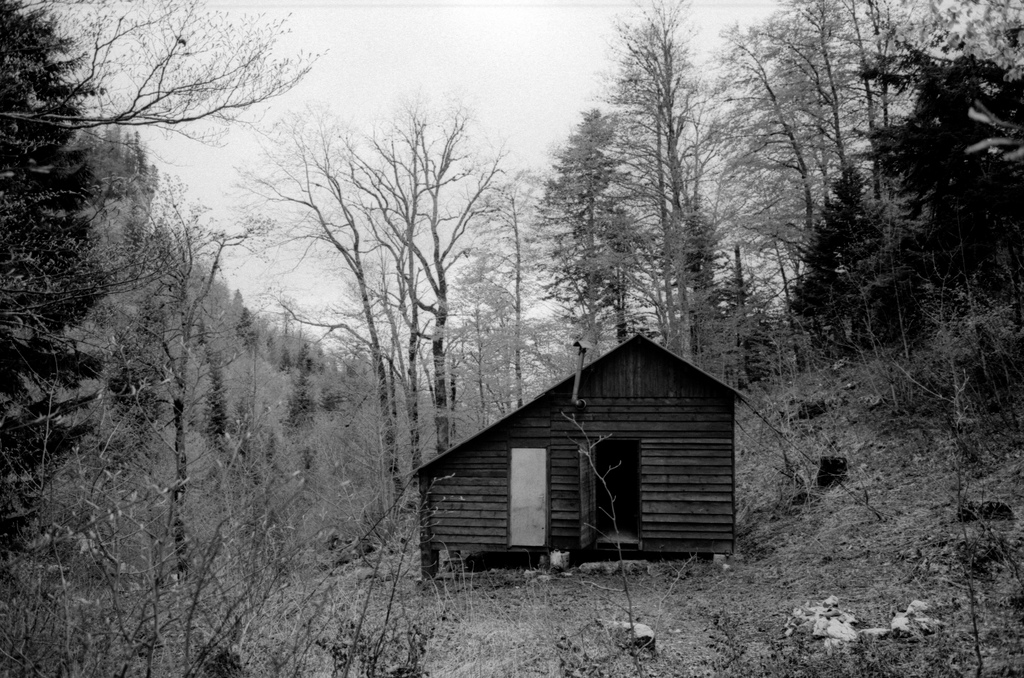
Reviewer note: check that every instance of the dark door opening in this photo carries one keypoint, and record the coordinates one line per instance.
(617, 492)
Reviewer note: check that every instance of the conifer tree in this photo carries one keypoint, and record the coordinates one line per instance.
(49, 276)
(591, 237)
(843, 243)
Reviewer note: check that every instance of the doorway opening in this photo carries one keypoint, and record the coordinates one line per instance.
(617, 493)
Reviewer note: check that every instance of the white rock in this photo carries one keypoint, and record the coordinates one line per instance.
(875, 632)
(820, 629)
(900, 625)
(840, 631)
(917, 606)
(642, 634)
(831, 601)
(559, 560)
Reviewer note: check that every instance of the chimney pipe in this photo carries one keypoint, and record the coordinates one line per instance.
(582, 346)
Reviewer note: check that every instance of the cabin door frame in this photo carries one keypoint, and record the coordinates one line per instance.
(619, 461)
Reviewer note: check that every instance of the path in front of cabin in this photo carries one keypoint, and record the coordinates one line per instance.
(523, 623)
(707, 620)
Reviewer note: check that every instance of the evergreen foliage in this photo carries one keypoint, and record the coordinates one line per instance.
(592, 238)
(50, 277)
(833, 292)
(965, 215)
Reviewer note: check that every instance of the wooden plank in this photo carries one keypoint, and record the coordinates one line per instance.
(711, 429)
(661, 448)
(688, 496)
(469, 480)
(535, 419)
(442, 531)
(694, 472)
(686, 526)
(666, 414)
(669, 452)
(705, 458)
(661, 491)
(652, 534)
(468, 514)
(537, 427)
(684, 509)
(460, 492)
(688, 545)
(455, 465)
(475, 453)
(725, 441)
(456, 518)
(689, 519)
(598, 413)
(469, 506)
(601, 406)
(460, 475)
(682, 461)
(488, 497)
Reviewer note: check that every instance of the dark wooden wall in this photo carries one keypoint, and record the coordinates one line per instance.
(468, 497)
(683, 420)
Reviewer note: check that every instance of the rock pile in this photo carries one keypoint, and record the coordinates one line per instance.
(829, 622)
(823, 621)
(913, 623)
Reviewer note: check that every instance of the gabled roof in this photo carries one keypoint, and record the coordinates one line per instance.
(562, 383)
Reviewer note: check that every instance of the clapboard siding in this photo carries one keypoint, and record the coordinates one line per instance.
(468, 497)
(564, 469)
(682, 419)
(676, 544)
(639, 373)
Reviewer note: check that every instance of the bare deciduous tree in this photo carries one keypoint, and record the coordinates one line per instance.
(159, 62)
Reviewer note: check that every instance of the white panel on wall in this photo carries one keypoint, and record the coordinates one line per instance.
(528, 497)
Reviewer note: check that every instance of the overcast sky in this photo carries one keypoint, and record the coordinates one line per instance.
(526, 69)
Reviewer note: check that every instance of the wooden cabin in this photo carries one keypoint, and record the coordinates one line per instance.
(643, 460)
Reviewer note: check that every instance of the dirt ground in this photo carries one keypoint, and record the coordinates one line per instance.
(709, 620)
(888, 536)
(729, 618)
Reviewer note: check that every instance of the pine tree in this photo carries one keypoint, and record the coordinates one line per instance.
(591, 236)
(832, 292)
(966, 226)
(50, 277)
(302, 404)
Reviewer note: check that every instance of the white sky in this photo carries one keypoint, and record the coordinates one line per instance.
(527, 69)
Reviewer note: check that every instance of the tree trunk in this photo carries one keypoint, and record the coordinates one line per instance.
(437, 347)
(740, 289)
(180, 483)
